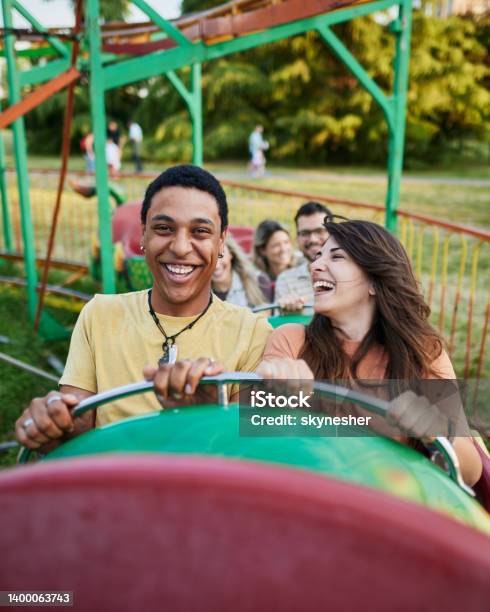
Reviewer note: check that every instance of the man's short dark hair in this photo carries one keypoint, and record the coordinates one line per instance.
(188, 176)
(311, 208)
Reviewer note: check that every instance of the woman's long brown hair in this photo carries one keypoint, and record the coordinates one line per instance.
(401, 324)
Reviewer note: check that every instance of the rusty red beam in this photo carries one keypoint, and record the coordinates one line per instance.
(39, 95)
(262, 18)
(128, 48)
(229, 20)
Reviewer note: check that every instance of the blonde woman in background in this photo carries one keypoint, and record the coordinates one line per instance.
(235, 280)
(273, 252)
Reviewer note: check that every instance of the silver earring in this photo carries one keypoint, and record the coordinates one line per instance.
(142, 248)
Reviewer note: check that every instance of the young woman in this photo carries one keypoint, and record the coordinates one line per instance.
(273, 251)
(235, 280)
(370, 322)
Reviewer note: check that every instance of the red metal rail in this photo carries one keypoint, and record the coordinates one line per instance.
(41, 93)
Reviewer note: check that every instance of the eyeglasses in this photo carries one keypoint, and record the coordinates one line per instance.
(319, 232)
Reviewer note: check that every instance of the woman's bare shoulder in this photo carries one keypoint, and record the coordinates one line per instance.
(285, 341)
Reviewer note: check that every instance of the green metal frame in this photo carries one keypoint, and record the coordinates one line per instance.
(20, 150)
(6, 223)
(108, 72)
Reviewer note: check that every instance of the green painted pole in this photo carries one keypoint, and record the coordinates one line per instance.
(179, 87)
(43, 73)
(6, 224)
(396, 132)
(20, 151)
(195, 109)
(97, 104)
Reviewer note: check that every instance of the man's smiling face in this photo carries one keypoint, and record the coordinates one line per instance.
(182, 238)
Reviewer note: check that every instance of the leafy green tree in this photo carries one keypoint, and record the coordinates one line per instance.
(448, 98)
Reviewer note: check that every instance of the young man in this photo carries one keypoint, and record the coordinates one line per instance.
(293, 286)
(184, 219)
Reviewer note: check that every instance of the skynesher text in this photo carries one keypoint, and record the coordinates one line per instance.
(310, 420)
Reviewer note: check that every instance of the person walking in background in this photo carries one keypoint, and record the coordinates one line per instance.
(113, 149)
(273, 252)
(113, 157)
(114, 133)
(256, 146)
(136, 140)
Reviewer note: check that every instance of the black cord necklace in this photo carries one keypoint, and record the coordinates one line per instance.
(168, 347)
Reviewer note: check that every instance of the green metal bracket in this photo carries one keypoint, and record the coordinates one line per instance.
(193, 100)
(53, 41)
(153, 64)
(169, 29)
(396, 26)
(179, 86)
(196, 115)
(6, 223)
(20, 150)
(51, 329)
(35, 53)
(99, 129)
(41, 74)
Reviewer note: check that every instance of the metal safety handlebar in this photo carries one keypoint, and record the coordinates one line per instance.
(373, 404)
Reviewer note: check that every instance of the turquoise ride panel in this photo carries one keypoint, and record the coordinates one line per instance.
(211, 430)
(278, 320)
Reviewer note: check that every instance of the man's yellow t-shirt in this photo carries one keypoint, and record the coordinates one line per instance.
(115, 337)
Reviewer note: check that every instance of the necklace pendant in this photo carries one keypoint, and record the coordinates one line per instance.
(165, 357)
(169, 353)
(172, 354)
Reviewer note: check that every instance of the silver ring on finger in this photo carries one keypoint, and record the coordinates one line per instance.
(53, 398)
(27, 423)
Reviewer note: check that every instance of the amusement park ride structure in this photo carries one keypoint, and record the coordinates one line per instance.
(116, 54)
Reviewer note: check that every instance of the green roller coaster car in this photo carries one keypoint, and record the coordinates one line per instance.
(213, 430)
